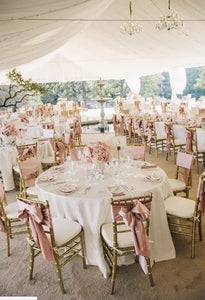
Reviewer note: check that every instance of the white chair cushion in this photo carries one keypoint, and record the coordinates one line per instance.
(125, 239)
(177, 185)
(65, 230)
(16, 169)
(161, 137)
(32, 190)
(48, 160)
(179, 206)
(11, 210)
(179, 142)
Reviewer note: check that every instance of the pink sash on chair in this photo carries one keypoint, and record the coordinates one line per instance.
(122, 125)
(150, 127)
(189, 141)
(130, 128)
(62, 151)
(37, 217)
(133, 218)
(115, 123)
(22, 152)
(29, 169)
(201, 195)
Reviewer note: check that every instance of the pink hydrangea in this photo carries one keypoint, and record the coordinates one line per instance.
(98, 151)
(9, 129)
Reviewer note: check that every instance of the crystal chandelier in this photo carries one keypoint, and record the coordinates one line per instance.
(130, 27)
(169, 20)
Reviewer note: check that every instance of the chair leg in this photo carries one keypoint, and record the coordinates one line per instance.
(199, 228)
(197, 163)
(60, 279)
(149, 269)
(156, 149)
(83, 249)
(7, 237)
(31, 262)
(114, 266)
(193, 239)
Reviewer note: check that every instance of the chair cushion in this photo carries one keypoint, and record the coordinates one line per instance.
(11, 210)
(65, 230)
(177, 185)
(16, 169)
(179, 142)
(125, 239)
(32, 191)
(48, 160)
(179, 206)
(161, 137)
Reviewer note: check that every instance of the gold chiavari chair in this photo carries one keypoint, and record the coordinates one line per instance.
(29, 171)
(184, 165)
(159, 136)
(23, 151)
(117, 237)
(9, 221)
(183, 215)
(63, 238)
(135, 151)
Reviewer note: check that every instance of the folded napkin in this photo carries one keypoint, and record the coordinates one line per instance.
(116, 190)
(146, 165)
(47, 178)
(152, 179)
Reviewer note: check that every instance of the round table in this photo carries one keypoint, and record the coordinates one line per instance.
(90, 204)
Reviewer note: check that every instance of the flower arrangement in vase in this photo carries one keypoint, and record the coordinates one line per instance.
(98, 153)
(9, 133)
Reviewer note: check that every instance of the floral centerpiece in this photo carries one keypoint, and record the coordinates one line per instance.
(98, 153)
(9, 133)
(9, 129)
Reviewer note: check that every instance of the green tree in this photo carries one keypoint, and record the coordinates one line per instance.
(150, 85)
(194, 85)
(19, 90)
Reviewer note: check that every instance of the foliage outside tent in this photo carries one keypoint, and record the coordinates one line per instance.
(21, 91)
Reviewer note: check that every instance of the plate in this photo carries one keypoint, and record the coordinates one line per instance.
(116, 190)
(68, 188)
(47, 177)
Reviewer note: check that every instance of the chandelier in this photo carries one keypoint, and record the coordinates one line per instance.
(130, 27)
(169, 20)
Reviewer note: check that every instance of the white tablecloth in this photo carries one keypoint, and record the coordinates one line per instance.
(92, 209)
(34, 131)
(7, 162)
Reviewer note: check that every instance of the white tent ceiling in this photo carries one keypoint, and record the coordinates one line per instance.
(51, 40)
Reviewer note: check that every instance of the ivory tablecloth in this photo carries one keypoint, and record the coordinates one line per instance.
(92, 208)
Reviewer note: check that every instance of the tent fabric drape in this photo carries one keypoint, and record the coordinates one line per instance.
(40, 36)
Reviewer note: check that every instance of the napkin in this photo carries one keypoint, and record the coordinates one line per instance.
(147, 165)
(46, 178)
(116, 190)
(152, 179)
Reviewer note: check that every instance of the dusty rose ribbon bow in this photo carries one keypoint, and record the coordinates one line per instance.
(29, 170)
(150, 127)
(29, 150)
(130, 128)
(122, 125)
(189, 141)
(37, 217)
(62, 151)
(133, 218)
